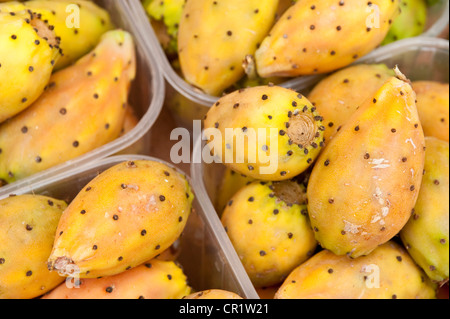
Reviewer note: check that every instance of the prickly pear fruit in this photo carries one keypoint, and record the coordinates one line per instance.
(79, 24)
(426, 234)
(124, 217)
(215, 36)
(387, 273)
(231, 183)
(433, 107)
(11, 6)
(27, 230)
(365, 184)
(213, 294)
(313, 38)
(268, 226)
(28, 51)
(411, 21)
(169, 12)
(89, 98)
(339, 95)
(151, 280)
(265, 132)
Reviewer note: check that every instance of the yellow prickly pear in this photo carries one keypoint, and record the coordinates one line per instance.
(28, 52)
(213, 294)
(152, 280)
(215, 37)
(386, 273)
(79, 24)
(89, 97)
(27, 230)
(426, 234)
(365, 184)
(433, 107)
(168, 12)
(265, 132)
(124, 217)
(411, 21)
(318, 37)
(268, 226)
(339, 95)
(231, 183)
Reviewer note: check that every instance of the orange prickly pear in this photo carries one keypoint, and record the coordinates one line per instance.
(315, 37)
(89, 97)
(339, 95)
(386, 273)
(215, 36)
(268, 226)
(27, 230)
(433, 107)
(124, 217)
(365, 184)
(266, 132)
(28, 52)
(426, 234)
(152, 280)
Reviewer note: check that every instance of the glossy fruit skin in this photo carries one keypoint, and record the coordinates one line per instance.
(365, 184)
(386, 273)
(319, 37)
(27, 230)
(124, 217)
(426, 235)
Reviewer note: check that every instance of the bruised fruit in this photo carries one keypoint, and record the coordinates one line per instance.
(426, 234)
(339, 95)
(411, 21)
(365, 184)
(314, 37)
(213, 294)
(82, 109)
(433, 107)
(268, 226)
(27, 230)
(266, 132)
(78, 24)
(124, 217)
(215, 37)
(386, 273)
(152, 280)
(28, 53)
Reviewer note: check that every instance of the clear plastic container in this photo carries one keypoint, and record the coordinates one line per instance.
(146, 98)
(188, 103)
(207, 256)
(418, 58)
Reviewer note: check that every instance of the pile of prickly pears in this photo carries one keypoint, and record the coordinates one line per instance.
(221, 46)
(118, 238)
(63, 86)
(338, 193)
